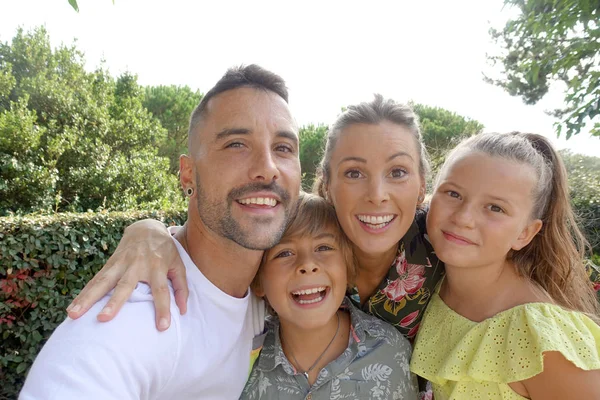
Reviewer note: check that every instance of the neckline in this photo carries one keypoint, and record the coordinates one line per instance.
(437, 297)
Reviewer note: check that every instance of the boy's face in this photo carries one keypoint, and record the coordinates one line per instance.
(304, 278)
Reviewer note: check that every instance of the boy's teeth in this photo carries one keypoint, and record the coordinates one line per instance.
(310, 301)
(309, 291)
(269, 201)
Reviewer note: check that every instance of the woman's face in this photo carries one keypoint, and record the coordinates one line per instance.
(375, 184)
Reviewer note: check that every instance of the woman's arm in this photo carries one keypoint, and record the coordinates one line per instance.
(146, 253)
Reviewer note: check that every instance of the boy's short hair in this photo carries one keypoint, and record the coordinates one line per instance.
(311, 215)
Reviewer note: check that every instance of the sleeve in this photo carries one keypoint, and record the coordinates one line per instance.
(124, 359)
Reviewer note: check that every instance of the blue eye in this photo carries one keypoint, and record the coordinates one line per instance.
(353, 174)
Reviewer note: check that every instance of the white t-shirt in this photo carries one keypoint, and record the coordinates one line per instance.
(205, 354)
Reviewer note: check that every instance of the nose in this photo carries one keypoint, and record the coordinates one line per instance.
(377, 191)
(307, 267)
(263, 165)
(463, 215)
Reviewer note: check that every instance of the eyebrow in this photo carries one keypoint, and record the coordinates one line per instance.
(362, 160)
(227, 132)
(325, 235)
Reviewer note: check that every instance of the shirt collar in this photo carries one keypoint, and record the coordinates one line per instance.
(272, 353)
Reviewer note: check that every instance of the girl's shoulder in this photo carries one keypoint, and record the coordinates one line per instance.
(507, 347)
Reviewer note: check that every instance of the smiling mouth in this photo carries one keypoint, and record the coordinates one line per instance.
(310, 296)
(259, 202)
(457, 239)
(376, 222)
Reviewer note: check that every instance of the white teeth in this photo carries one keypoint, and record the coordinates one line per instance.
(260, 201)
(309, 291)
(318, 299)
(373, 220)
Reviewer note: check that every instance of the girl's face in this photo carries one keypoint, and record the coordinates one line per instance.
(304, 278)
(375, 184)
(481, 209)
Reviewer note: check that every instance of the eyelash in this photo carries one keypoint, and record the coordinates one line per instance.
(352, 171)
(234, 145)
(402, 171)
(323, 247)
(451, 193)
(501, 210)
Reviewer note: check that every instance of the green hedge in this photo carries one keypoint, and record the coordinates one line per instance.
(44, 262)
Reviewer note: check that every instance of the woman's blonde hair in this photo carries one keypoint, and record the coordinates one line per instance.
(555, 258)
(311, 216)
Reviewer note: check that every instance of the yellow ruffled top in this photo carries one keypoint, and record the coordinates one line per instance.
(471, 360)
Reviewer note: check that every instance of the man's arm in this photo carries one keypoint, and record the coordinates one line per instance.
(86, 359)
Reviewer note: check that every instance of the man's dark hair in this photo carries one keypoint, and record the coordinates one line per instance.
(252, 76)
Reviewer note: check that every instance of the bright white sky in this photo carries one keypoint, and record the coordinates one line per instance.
(331, 53)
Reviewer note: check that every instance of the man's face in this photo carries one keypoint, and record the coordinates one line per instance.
(247, 168)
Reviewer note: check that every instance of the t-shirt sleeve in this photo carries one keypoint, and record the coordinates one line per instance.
(124, 359)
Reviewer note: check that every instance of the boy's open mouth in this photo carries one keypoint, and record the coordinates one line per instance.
(310, 296)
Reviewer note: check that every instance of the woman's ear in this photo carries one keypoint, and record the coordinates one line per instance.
(527, 234)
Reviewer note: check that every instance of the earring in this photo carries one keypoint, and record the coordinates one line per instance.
(189, 192)
(421, 198)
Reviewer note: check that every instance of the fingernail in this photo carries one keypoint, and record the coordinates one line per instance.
(74, 308)
(163, 323)
(70, 306)
(106, 310)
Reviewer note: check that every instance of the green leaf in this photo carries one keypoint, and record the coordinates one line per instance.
(73, 4)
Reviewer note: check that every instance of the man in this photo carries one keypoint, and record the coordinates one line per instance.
(242, 176)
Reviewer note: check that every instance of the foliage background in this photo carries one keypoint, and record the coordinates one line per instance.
(73, 140)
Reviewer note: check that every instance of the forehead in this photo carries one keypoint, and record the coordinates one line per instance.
(375, 141)
(247, 108)
(493, 175)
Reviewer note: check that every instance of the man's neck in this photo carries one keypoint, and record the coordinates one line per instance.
(227, 265)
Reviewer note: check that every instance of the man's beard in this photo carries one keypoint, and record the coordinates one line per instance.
(218, 216)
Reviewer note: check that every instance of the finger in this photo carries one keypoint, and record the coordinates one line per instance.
(178, 278)
(123, 289)
(95, 289)
(162, 299)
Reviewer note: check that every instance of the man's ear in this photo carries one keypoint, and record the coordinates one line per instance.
(186, 172)
(527, 234)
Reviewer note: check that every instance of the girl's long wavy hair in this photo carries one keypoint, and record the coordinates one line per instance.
(555, 258)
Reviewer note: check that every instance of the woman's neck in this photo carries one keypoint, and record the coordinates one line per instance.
(303, 347)
(372, 268)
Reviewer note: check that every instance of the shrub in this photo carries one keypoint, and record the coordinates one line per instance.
(44, 262)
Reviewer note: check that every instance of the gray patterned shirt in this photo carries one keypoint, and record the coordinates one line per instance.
(375, 366)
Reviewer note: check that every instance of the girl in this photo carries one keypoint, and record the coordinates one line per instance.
(313, 348)
(514, 316)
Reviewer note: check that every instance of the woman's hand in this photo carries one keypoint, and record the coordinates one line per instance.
(146, 253)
